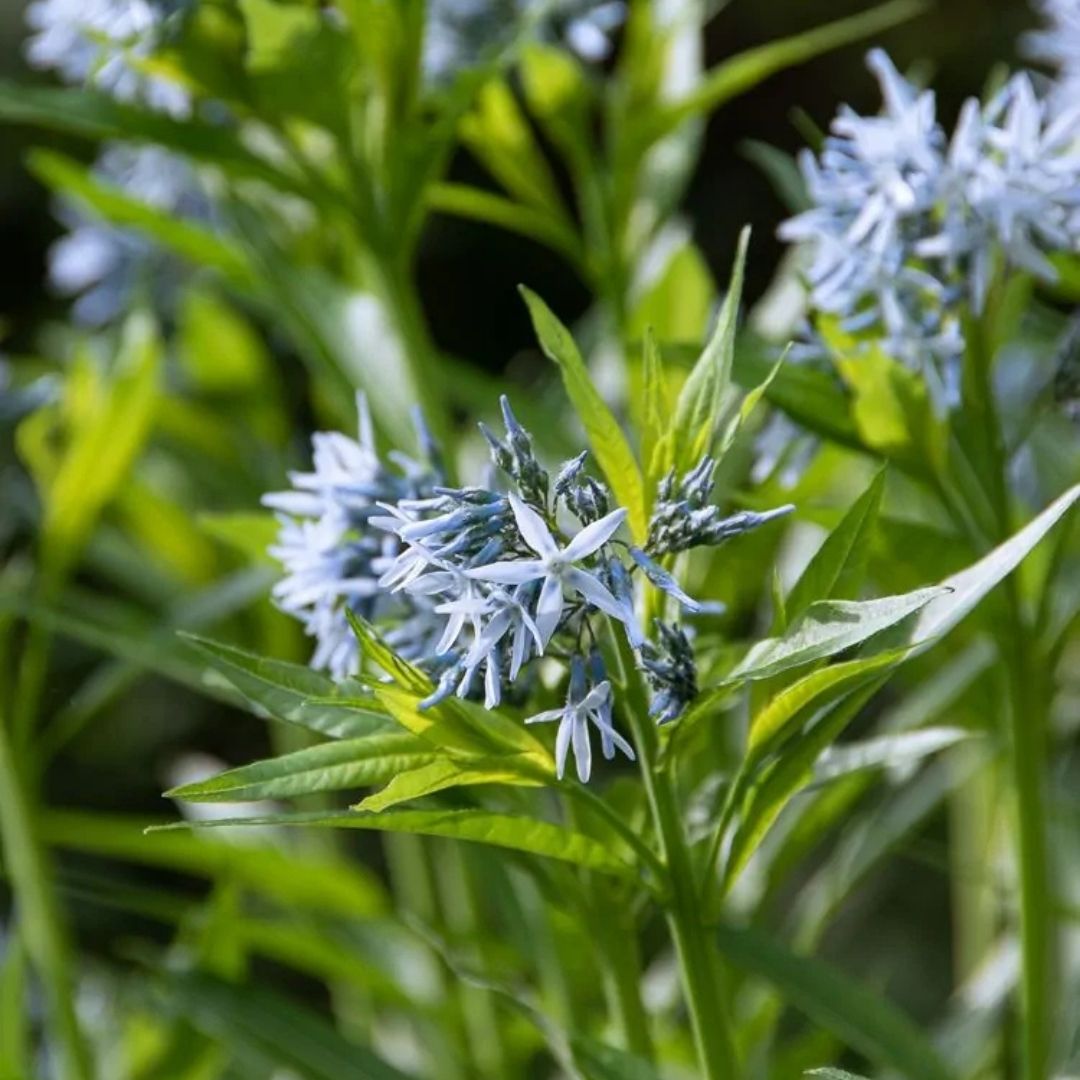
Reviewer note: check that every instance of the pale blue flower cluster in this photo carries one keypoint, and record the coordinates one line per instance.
(461, 33)
(907, 224)
(332, 555)
(102, 44)
(473, 584)
(107, 269)
(1058, 45)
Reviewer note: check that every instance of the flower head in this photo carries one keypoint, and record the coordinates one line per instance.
(333, 555)
(556, 567)
(99, 43)
(906, 224)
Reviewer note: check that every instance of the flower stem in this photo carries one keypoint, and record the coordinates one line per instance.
(39, 918)
(1025, 712)
(698, 961)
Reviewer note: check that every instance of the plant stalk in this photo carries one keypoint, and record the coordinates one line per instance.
(698, 961)
(40, 921)
(1026, 724)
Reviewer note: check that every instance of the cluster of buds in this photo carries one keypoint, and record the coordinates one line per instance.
(683, 517)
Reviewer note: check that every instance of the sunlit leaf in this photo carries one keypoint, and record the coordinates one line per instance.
(705, 392)
(606, 438)
(512, 831)
(829, 627)
(291, 692)
(440, 775)
(341, 765)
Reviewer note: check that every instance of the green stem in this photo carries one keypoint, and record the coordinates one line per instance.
(1026, 722)
(698, 961)
(39, 916)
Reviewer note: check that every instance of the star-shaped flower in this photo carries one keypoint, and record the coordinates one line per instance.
(583, 706)
(555, 566)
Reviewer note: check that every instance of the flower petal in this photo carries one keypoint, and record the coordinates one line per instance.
(533, 528)
(562, 744)
(598, 595)
(582, 747)
(610, 739)
(546, 716)
(549, 608)
(594, 536)
(509, 573)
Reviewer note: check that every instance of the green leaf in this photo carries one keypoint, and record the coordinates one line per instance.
(290, 692)
(105, 420)
(833, 1074)
(461, 200)
(606, 438)
(836, 570)
(598, 1061)
(515, 832)
(762, 789)
(894, 753)
(250, 534)
(500, 136)
(678, 304)
(342, 765)
(778, 719)
(864, 1020)
(657, 445)
(967, 588)
(745, 70)
(297, 880)
(374, 650)
(200, 246)
(891, 408)
(271, 1031)
(99, 116)
(445, 773)
(15, 1040)
(827, 628)
(704, 394)
(813, 398)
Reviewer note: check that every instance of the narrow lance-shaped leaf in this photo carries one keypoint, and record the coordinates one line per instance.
(697, 412)
(512, 831)
(291, 692)
(606, 438)
(341, 765)
(442, 774)
(836, 570)
(277, 1033)
(764, 791)
(827, 628)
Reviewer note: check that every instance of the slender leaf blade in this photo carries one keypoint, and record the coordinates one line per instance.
(512, 831)
(606, 438)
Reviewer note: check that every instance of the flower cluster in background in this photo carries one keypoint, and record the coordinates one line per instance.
(474, 583)
(103, 44)
(460, 33)
(907, 223)
(100, 44)
(1058, 45)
